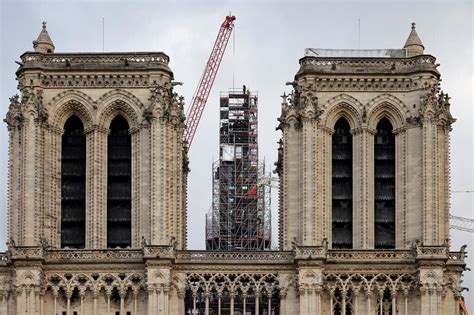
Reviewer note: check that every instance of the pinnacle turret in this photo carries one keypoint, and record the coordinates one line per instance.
(43, 44)
(413, 45)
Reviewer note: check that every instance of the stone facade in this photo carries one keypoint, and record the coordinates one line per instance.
(156, 274)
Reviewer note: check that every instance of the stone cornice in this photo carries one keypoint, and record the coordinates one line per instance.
(367, 66)
(95, 61)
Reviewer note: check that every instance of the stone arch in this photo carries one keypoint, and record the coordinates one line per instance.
(116, 108)
(28, 278)
(342, 105)
(387, 106)
(343, 110)
(69, 103)
(121, 102)
(118, 94)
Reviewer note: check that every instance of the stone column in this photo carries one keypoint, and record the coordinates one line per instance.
(95, 294)
(159, 300)
(394, 302)
(429, 184)
(308, 181)
(232, 295)
(135, 297)
(362, 192)
(318, 300)
(55, 303)
(309, 294)
(181, 297)
(381, 301)
(82, 293)
(151, 291)
(355, 299)
(41, 302)
(207, 294)
(68, 303)
(439, 293)
(136, 187)
(257, 303)
(401, 188)
(166, 297)
(344, 295)
(369, 295)
(108, 293)
(405, 294)
(283, 294)
(96, 188)
(331, 301)
(291, 182)
(31, 165)
(33, 295)
(123, 294)
(324, 187)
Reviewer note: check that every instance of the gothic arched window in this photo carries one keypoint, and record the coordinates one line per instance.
(342, 185)
(73, 183)
(384, 182)
(119, 184)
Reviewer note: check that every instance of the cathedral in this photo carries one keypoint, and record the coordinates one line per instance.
(97, 185)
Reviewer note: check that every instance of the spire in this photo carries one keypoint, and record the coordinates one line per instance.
(413, 45)
(43, 44)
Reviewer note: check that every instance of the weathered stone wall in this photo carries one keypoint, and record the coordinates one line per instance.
(96, 88)
(406, 92)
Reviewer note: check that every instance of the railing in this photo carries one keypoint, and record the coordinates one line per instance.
(355, 53)
(81, 255)
(371, 255)
(96, 58)
(397, 63)
(235, 256)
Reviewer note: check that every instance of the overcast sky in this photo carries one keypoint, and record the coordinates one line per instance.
(270, 37)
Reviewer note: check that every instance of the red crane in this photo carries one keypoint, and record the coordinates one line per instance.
(198, 102)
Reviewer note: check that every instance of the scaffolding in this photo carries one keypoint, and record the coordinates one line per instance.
(240, 215)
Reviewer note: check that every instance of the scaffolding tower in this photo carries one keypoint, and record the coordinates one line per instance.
(240, 215)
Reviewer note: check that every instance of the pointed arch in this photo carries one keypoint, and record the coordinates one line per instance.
(71, 102)
(389, 106)
(342, 105)
(119, 102)
(343, 110)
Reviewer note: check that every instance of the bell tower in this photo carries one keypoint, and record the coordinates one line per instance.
(364, 170)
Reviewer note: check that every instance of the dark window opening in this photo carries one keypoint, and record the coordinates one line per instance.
(268, 302)
(73, 184)
(384, 172)
(339, 300)
(342, 185)
(119, 184)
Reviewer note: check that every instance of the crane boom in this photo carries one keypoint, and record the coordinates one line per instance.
(198, 102)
